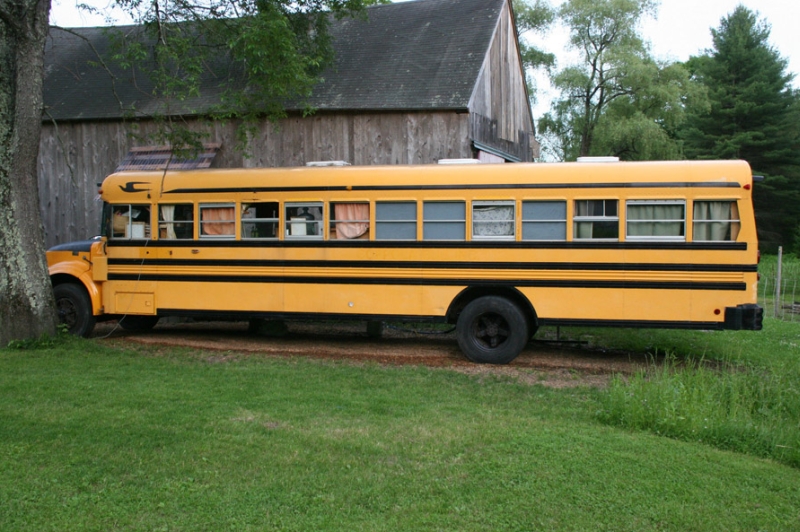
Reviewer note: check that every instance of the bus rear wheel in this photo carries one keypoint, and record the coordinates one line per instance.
(74, 309)
(492, 330)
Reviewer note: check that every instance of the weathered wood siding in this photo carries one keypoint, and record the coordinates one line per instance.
(75, 156)
(500, 96)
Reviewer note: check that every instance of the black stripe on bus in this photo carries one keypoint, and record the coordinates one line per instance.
(245, 315)
(582, 266)
(389, 244)
(495, 186)
(539, 283)
(640, 324)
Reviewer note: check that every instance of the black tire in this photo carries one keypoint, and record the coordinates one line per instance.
(74, 309)
(492, 330)
(138, 323)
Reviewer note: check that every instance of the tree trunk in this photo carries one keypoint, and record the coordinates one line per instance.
(27, 308)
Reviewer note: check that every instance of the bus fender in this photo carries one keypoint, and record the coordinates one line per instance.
(73, 272)
(509, 292)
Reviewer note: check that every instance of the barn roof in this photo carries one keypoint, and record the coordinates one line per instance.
(421, 55)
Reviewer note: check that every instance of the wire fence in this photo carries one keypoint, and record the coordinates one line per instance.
(779, 286)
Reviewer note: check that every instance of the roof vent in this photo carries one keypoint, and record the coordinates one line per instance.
(459, 161)
(598, 159)
(327, 163)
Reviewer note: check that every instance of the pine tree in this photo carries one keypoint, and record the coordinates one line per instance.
(752, 115)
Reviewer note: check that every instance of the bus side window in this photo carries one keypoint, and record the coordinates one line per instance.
(656, 220)
(260, 220)
(349, 220)
(544, 220)
(715, 221)
(304, 220)
(493, 220)
(444, 220)
(396, 220)
(596, 220)
(130, 221)
(176, 222)
(217, 220)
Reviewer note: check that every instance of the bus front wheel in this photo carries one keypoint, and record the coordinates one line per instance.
(492, 330)
(74, 309)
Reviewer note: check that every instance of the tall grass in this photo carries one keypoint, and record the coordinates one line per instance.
(733, 390)
(740, 408)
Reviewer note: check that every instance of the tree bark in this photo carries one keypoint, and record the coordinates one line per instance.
(27, 308)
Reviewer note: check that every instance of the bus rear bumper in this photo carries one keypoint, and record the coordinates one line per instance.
(743, 317)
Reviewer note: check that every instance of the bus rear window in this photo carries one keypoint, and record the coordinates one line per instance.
(715, 221)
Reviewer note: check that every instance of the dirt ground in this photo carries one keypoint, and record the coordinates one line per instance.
(543, 361)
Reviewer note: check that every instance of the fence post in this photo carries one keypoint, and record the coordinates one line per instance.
(778, 283)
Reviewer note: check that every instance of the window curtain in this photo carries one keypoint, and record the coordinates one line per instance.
(493, 221)
(218, 221)
(712, 220)
(583, 229)
(662, 214)
(168, 215)
(358, 213)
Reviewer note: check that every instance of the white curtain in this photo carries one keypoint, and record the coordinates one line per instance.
(716, 220)
(493, 221)
(168, 215)
(662, 216)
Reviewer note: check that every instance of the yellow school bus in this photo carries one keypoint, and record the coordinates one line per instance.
(495, 249)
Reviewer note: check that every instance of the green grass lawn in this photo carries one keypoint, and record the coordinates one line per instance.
(95, 437)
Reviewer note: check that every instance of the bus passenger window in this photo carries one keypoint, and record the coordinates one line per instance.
(715, 221)
(349, 220)
(396, 220)
(130, 221)
(304, 220)
(444, 220)
(217, 220)
(596, 220)
(656, 220)
(260, 220)
(176, 222)
(493, 220)
(544, 220)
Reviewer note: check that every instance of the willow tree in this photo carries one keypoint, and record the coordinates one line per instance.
(272, 52)
(616, 100)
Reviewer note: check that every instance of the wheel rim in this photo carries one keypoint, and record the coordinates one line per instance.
(490, 330)
(67, 312)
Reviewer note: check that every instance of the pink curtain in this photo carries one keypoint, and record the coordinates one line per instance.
(358, 212)
(225, 227)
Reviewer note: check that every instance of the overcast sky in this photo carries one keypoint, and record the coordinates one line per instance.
(682, 28)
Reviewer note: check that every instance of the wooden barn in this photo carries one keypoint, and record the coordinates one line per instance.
(412, 83)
